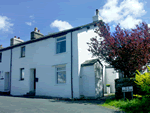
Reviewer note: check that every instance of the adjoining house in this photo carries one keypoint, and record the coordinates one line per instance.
(57, 64)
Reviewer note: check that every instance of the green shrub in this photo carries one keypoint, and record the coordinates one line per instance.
(144, 81)
(132, 106)
(107, 85)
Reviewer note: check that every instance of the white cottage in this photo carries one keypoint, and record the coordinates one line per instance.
(57, 64)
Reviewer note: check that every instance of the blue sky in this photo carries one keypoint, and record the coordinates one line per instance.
(20, 17)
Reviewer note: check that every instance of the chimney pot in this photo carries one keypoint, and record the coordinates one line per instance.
(35, 29)
(18, 37)
(39, 31)
(97, 12)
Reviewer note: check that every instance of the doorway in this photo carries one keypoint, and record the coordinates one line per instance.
(7, 82)
(32, 80)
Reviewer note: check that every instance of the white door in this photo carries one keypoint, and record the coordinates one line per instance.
(7, 82)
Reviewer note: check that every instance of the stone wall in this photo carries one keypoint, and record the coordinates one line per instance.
(123, 82)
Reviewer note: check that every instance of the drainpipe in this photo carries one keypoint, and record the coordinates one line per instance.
(71, 70)
(10, 67)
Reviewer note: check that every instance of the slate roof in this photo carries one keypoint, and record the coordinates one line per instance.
(90, 62)
(53, 35)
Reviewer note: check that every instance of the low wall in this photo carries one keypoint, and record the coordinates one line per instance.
(123, 82)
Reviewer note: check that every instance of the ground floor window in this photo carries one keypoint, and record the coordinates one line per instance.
(61, 74)
(21, 73)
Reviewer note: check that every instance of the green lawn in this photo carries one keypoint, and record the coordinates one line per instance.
(137, 105)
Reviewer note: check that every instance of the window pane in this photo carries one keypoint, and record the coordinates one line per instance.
(58, 39)
(61, 77)
(0, 57)
(22, 73)
(58, 47)
(61, 47)
(23, 51)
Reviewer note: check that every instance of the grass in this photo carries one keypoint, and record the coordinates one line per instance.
(137, 105)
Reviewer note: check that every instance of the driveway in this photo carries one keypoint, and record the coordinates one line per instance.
(9, 104)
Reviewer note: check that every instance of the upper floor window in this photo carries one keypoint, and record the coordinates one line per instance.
(23, 51)
(61, 74)
(22, 74)
(61, 45)
(0, 57)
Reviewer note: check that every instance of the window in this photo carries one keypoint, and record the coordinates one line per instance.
(0, 57)
(61, 45)
(61, 74)
(22, 74)
(23, 51)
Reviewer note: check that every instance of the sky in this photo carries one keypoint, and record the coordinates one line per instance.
(20, 17)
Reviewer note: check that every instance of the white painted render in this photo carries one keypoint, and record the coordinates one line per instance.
(87, 81)
(42, 56)
(4, 67)
(91, 85)
(110, 77)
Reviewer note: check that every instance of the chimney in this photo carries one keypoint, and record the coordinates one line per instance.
(97, 17)
(1, 47)
(35, 29)
(36, 34)
(15, 40)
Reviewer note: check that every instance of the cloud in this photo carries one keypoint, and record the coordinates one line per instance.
(130, 22)
(125, 13)
(5, 25)
(61, 25)
(28, 23)
(31, 16)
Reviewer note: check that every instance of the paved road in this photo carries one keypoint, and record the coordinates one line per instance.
(35, 105)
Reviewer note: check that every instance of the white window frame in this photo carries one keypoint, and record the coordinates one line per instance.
(60, 66)
(60, 41)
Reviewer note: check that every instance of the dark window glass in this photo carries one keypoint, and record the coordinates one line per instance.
(61, 47)
(23, 51)
(22, 74)
(0, 57)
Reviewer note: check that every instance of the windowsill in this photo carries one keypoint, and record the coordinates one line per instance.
(1, 78)
(21, 79)
(60, 53)
(61, 84)
(22, 56)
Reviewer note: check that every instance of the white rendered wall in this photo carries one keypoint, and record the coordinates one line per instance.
(83, 37)
(88, 81)
(110, 77)
(42, 56)
(4, 67)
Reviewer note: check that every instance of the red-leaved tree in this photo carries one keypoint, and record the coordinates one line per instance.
(126, 50)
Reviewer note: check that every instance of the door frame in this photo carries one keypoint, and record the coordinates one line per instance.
(32, 80)
(7, 83)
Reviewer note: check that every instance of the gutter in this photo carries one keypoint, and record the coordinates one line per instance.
(10, 68)
(71, 70)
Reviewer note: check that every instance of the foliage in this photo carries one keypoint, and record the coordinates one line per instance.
(132, 106)
(107, 85)
(126, 50)
(143, 80)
